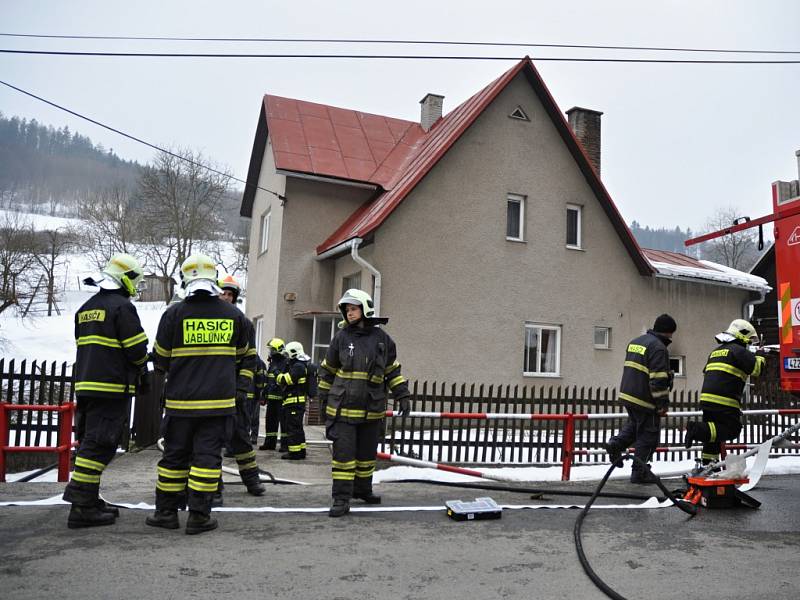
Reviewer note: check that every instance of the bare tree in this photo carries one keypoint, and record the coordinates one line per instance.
(737, 250)
(180, 203)
(51, 246)
(17, 260)
(231, 252)
(110, 224)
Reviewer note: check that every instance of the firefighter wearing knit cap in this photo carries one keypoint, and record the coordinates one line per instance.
(644, 392)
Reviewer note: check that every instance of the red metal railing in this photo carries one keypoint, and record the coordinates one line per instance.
(66, 413)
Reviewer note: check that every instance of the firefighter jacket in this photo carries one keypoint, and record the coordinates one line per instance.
(249, 366)
(294, 382)
(202, 343)
(726, 372)
(646, 378)
(112, 346)
(359, 368)
(277, 365)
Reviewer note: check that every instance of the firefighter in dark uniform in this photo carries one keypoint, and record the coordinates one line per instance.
(294, 381)
(358, 370)
(239, 443)
(726, 372)
(644, 391)
(202, 344)
(259, 397)
(275, 427)
(112, 356)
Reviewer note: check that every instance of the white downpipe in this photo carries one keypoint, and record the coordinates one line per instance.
(746, 306)
(376, 297)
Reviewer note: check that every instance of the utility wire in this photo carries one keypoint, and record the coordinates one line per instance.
(391, 56)
(377, 41)
(141, 141)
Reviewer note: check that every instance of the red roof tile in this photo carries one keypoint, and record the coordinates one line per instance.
(675, 258)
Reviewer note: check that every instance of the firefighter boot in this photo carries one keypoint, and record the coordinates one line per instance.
(642, 475)
(368, 497)
(198, 523)
(88, 516)
(168, 519)
(339, 508)
(105, 507)
(255, 488)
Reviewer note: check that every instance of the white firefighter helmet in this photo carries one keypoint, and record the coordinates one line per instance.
(359, 298)
(122, 271)
(294, 350)
(742, 330)
(199, 273)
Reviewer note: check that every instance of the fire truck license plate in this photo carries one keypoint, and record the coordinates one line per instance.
(791, 364)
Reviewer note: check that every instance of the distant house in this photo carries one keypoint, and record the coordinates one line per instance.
(486, 235)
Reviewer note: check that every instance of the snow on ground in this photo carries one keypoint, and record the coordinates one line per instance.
(39, 222)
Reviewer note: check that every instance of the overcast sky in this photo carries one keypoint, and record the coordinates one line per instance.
(678, 140)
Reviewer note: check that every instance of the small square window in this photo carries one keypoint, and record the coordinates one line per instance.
(515, 217)
(264, 242)
(602, 338)
(573, 226)
(677, 365)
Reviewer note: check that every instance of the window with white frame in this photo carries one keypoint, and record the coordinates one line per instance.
(324, 330)
(352, 281)
(258, 324)
(574, 226)
(515, 217)
(542, 350)
(602, 338)
(265, 220)
(677, 364)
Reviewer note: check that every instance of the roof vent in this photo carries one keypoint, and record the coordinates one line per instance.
(519, 114)
(431, 110)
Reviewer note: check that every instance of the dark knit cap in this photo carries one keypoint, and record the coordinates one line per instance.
(665, 324)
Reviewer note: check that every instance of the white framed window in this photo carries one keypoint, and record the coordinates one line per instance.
(542, 350)
(515, 218)
(602, 338)
(324, 329)
(678, 365)
(264, 236)
(351, 281)
(258, 324)
(574, 225)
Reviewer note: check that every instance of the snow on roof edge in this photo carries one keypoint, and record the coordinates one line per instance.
(715, 273)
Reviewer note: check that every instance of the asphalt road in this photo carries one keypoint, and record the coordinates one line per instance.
(654, 553)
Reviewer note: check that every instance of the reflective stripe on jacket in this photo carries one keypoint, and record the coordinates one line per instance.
(112, 346)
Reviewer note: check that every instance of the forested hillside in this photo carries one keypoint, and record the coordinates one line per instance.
(49, 170)
(663, 238)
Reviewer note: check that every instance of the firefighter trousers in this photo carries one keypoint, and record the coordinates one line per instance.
(100, 424)
(295, 441)
(353, 462)
(254, 412)
(719, 425)
(192, 459)
(642, 429)
(275, 425)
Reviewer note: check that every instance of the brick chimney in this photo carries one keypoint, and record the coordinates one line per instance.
(431, 110)
(585, 124)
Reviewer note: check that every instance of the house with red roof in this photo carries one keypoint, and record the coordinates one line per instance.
(485, 234)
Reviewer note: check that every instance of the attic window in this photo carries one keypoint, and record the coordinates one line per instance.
(519, 114)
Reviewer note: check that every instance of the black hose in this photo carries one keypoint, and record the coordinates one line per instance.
(35, 474)
(686, 507)
(525, 490)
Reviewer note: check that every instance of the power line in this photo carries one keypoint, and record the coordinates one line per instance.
(377, 41)
(141, 141)
(393, 56)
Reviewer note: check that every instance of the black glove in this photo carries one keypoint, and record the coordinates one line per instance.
(402, 406)
(671, 380)
(143, 383)
(241, 396)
